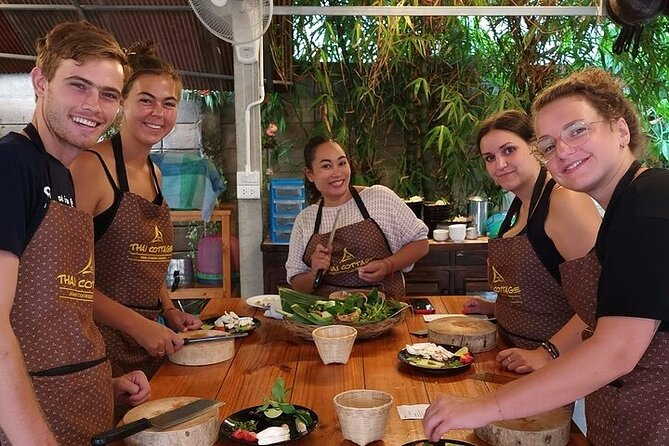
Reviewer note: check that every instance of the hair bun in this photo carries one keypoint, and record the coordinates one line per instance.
(142, 48)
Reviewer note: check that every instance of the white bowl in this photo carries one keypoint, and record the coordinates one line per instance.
(440, 235)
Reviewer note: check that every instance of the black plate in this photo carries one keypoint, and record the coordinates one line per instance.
(264, 422)
(210, 321)
(403, 356)
(443, 442)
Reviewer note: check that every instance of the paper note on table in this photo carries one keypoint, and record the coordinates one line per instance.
(433, 317)
(412, 412)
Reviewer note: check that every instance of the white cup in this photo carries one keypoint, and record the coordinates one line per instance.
(457, 232)
(440, 235)
(472, 233)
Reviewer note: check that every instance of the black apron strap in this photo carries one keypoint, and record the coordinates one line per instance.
(117, 147)
(514, 209)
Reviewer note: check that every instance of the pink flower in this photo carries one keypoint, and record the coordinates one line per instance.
(271, 129)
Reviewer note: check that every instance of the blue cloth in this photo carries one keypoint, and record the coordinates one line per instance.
(189, 181)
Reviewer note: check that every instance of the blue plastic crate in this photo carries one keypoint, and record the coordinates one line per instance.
(280, 235)
(286, 189)
(286, 207)
(282, 221)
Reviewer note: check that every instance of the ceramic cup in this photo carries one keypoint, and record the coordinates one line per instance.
(472, 233)
(457, 232)
(440, 235)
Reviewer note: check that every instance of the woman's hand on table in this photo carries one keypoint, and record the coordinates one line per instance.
(320, 259)
(132, 388)
(450, 412)
(522, 361)
(478, 305)
(181, 321)
(374, 271)
(157, 339)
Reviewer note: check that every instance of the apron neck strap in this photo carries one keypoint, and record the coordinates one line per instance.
(514, 209)
(358, 202)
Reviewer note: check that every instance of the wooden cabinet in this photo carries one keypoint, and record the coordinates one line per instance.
(449, 268)
(202, 291)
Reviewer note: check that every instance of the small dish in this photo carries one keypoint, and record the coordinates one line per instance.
(406, 358)
(208, 324)
(263, 301)
(251, 414)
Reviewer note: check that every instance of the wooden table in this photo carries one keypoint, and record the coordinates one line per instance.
(272, 351)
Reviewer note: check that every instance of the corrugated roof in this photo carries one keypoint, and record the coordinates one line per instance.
(206, 62)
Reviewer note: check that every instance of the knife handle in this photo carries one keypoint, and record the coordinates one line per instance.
(319, 277)
(120, 432)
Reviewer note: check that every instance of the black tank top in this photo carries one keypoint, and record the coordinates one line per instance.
(536, 233)
(103, 220)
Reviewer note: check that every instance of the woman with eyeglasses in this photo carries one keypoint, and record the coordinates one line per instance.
(590, 136)
(546, 225)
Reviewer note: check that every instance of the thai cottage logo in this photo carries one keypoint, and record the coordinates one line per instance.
(500, 286)
(78, 286)
(153, 251)
(349, 263)
(158, 237)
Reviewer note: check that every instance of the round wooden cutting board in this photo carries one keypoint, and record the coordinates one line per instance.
(203, 353)
(475, 334)
(200, 431)
(546, 429)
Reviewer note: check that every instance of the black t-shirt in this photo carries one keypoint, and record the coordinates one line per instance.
(28, 178)
(635, 267)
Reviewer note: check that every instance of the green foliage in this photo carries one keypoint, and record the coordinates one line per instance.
(429, 81)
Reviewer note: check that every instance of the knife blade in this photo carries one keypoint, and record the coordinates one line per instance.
(492, 378)
(321, 272)
(160, 422)
(225, 337)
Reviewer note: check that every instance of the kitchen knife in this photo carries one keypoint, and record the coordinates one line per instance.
(492, 378)
(321, 272)
(224, 337)
(160, 422)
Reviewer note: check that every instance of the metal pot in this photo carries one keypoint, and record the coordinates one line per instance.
(179, 273)
(478, 211)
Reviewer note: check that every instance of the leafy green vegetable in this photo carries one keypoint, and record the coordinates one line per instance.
(277, 405)
(356, 308)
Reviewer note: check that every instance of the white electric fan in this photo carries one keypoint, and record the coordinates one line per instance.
(241, 23)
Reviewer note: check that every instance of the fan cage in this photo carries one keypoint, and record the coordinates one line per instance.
(238, 21)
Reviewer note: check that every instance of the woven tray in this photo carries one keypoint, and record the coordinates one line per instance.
(365, 331)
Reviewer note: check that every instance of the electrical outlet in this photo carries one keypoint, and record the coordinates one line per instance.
(248, 185)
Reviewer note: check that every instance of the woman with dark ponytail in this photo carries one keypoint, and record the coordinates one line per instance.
(377, 236)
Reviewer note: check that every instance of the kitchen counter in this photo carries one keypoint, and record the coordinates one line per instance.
(272, 351)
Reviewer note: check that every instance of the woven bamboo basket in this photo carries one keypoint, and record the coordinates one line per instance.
(334, 342)
(363, 414)
(365, 331)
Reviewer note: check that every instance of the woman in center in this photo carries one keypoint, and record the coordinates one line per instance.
(377, 236)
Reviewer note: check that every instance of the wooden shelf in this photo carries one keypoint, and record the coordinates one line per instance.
(203, 291)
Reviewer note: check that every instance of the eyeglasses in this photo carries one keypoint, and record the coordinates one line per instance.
(573, 135)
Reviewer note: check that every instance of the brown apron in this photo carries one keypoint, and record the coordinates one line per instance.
(633, 409)
(62, 348)
(530, 306)
(354, 246)
(131, 259)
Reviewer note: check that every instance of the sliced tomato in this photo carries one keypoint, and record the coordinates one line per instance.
(467, 358)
